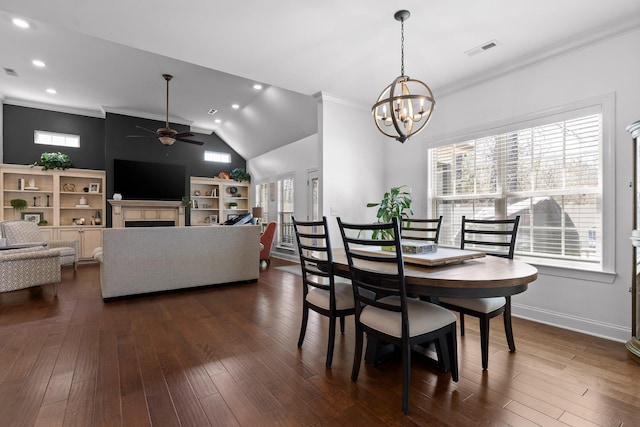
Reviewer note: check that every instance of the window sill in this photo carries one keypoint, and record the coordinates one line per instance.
(571, 271)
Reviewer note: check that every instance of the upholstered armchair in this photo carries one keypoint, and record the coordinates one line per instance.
(266, 240)
(25, 232)
(24, 268)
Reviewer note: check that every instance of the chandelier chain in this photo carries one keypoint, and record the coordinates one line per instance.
(402, 47)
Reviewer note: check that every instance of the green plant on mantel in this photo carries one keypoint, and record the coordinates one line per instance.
(395, 203)
(239, 174)
(18, 204)
(53, 161)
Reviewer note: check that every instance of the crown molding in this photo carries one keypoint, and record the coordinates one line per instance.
(54, 107)
(321, 97)
(144, 115)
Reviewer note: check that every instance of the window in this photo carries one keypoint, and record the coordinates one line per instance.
(285, 212)
(58, 139)
(262, 200)
(549, 173)
(217, 157)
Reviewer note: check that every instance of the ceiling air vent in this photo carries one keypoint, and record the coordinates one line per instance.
(11, 72)
(212, 111)
(483, 47)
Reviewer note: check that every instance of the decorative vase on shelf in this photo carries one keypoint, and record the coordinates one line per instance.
(117, 196)
(83, 200)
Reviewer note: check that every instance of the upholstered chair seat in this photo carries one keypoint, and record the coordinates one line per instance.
(343, 292)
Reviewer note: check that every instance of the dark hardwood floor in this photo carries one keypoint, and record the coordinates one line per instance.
(227, 356)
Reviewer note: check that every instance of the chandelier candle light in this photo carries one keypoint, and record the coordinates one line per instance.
(405, 106)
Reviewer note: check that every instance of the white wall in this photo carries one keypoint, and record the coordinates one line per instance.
(353, 167)
(611, 66)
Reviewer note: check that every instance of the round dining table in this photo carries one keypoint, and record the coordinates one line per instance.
(483, 277)
(488, 276)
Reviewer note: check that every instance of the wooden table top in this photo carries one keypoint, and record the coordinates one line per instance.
(482, 277)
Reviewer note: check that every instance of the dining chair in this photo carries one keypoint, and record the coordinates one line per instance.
(421, 229)
(322, 291)
(382, 307)
(495, 238)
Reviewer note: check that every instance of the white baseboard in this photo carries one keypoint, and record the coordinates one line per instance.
(573, 323)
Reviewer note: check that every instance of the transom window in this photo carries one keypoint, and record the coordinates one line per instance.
(217, 157)
(550, 174)
(57, 139)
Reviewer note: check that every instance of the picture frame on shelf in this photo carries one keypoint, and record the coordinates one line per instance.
(32, 216)
(94, 187)
(213, 219)
(231, 216)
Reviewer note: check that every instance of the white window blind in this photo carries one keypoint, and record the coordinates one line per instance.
(549, 174)
(262, 193)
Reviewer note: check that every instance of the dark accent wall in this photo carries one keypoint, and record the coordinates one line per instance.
(103, 140)
(21, 122)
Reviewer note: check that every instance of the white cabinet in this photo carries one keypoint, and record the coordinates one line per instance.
(88, 239)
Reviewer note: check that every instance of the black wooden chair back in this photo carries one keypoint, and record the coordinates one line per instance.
(421, 229)
(495, 237)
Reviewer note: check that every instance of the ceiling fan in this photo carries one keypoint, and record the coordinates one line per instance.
(166, 135)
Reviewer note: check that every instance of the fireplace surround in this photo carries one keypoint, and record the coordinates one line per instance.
(146, 213)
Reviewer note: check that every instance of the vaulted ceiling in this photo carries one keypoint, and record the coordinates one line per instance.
(110, 55)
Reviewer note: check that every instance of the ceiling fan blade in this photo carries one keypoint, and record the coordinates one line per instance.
(183, 134)
(141, 136)
(190, 141)
(145, 129)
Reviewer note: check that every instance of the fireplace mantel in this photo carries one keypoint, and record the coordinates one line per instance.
(146, 210)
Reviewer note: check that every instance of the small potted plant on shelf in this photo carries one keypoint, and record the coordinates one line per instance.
(53, 161)
(239, 174)
(233, 205)
(18, 204)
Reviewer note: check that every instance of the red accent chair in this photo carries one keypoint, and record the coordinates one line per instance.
(267, 242)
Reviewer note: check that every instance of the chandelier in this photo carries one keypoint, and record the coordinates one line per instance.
(405, 106)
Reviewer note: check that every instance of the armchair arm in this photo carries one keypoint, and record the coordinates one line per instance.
(63, 244)
(25, 254)
(21, 268)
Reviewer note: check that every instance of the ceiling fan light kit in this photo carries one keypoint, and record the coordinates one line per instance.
(404, 107)
(166, 135)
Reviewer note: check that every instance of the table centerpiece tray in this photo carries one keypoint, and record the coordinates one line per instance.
(441, 257)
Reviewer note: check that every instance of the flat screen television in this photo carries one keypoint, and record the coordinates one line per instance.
(137, 180)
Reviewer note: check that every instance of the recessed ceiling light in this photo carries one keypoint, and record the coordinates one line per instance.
(218, 121)
(52, 91)
(235, 106)
(18, 22)
(257, 86)
(38, 63)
